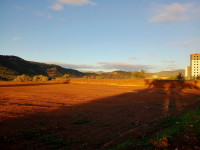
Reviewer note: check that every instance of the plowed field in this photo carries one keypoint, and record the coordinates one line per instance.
(86, 116)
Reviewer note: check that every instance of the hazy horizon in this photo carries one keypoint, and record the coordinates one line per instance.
(92, 35)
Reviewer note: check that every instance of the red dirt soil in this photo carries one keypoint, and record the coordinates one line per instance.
(111, 109)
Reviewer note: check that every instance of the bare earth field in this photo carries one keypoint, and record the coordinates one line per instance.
(80, 115)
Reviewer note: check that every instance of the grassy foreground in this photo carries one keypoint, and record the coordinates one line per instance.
(181, 132)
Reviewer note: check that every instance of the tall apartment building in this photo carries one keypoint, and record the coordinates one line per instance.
(195, 65)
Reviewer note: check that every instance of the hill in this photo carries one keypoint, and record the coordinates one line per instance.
(170, 73)
(11, 66)
(116, 75)
(128, 74)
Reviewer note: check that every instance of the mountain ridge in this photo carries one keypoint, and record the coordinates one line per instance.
(12, 66)
(18, 66)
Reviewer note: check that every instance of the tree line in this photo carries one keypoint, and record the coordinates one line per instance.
(39, 78)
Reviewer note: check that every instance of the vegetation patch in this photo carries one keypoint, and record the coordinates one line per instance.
(42, 123)
(49, 139)
(40, 78)
(184, 128)
(54, 141)
(7, 74)
(130, 126)
(22, 78)
(122, 145)
(28, 134)
(80, 122)
(97, 143)
(107, 124)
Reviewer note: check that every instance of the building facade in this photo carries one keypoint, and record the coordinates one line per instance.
(188, 73)
(195, 65)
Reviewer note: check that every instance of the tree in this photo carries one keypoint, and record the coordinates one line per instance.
(195, 78)
(22, 78)
(64, 77)
(40, 78)
(139, 74)
(135, 74)
(180, 76)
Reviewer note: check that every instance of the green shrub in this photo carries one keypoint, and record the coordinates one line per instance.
(40, 78)
(22, 78)
(180, 76)
(139, 74)
(64, 77)
(80, 122)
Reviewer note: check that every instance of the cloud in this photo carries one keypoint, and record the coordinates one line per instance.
(73, 66)
(170, 67)
(172, 44)
(133, 58)
(169, 61)
(77, 2)
(175, 12)
(46, 15)
(61, 19)
(19, 7)
(49, 16)
(39, 14)
(105, 66)
(153, 55)
(191, 43)
(15, 38)
(123, 66)
(56, 6)
(112, 66)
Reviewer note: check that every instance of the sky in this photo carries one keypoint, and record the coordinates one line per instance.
(102, 35)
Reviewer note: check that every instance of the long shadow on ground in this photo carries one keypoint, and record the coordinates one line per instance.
(101, 122)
